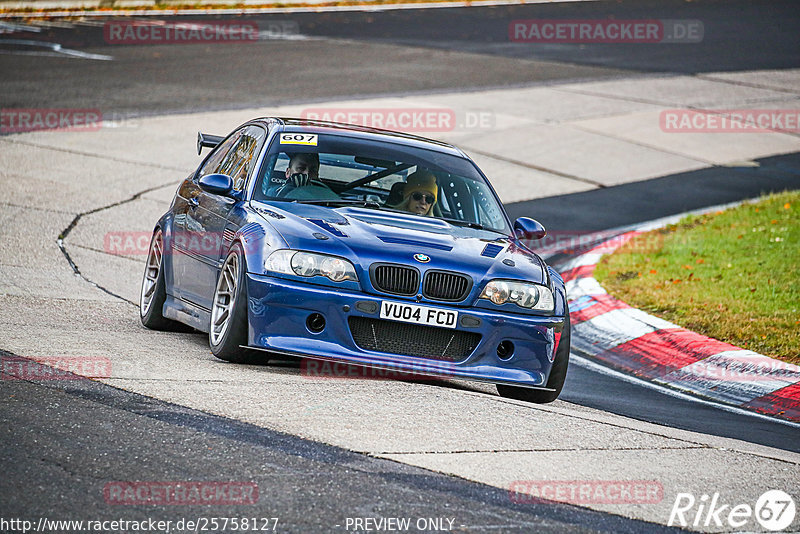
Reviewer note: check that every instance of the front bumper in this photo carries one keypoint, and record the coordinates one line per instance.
(278, 309)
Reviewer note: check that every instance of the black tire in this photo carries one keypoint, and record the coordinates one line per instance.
(153, 292)
(557, 375)
(227, 345)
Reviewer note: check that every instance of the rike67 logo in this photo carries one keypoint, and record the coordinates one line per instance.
(774, 511)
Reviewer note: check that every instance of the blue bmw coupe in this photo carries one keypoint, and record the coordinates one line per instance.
(362, 246)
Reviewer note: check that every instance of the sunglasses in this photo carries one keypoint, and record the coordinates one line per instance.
(419, 196)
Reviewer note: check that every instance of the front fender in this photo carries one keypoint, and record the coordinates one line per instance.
(559, 292)
(258, 239)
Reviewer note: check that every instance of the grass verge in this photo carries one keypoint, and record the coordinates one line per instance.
(170, 6)
(732, 275)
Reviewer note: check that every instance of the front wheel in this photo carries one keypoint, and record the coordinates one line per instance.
(153, 293)
(558, 374)
(228, 328)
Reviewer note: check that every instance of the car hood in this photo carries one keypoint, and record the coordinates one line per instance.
(367, 236)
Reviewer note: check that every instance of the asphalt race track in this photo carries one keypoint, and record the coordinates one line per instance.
(324, 452)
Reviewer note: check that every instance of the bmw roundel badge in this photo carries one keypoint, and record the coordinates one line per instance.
(422, 258)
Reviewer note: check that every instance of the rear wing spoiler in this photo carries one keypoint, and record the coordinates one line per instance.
(207, 140)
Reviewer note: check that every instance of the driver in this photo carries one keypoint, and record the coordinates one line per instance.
(303, 167)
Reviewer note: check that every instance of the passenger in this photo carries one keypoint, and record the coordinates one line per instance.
(420, 193)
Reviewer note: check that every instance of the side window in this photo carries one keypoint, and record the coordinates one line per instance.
(241, 159)
(488, 212)
(213, 162)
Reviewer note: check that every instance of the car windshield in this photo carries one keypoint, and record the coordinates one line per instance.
(337, 170)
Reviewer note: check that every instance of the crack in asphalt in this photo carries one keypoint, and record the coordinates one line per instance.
(65, 232)
(596, 421)
(616, 137)
(574, 449)
(682, 106)
(535, 167)
(712, 78)
(181, 380)
(634, 142)
(65, 469)
(92, 249)
(649, 101)
(91, 155)
(38, 208)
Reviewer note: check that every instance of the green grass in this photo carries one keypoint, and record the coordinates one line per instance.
(732, 275)
(170, 5)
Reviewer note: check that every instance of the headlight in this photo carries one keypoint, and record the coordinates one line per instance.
(524, 295)
(308, 264)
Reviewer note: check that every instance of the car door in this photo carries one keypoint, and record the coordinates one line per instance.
(211, 218)
(173, 261)
(188, 229)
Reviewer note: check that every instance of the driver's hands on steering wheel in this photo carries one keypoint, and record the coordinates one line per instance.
(298, 179)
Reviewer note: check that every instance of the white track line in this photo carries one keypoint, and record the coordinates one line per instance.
(55, 49)
(10, 27)
(602, 369)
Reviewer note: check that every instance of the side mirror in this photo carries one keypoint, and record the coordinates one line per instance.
(529, 229)
(216, 184)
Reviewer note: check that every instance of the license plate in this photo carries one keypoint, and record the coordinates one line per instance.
(411, 313)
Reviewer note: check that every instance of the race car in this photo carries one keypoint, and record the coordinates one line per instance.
(360, 246)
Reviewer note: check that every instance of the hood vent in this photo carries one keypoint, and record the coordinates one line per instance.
(325, 225)
(414, 243)
(491, 250)
(269, 213)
